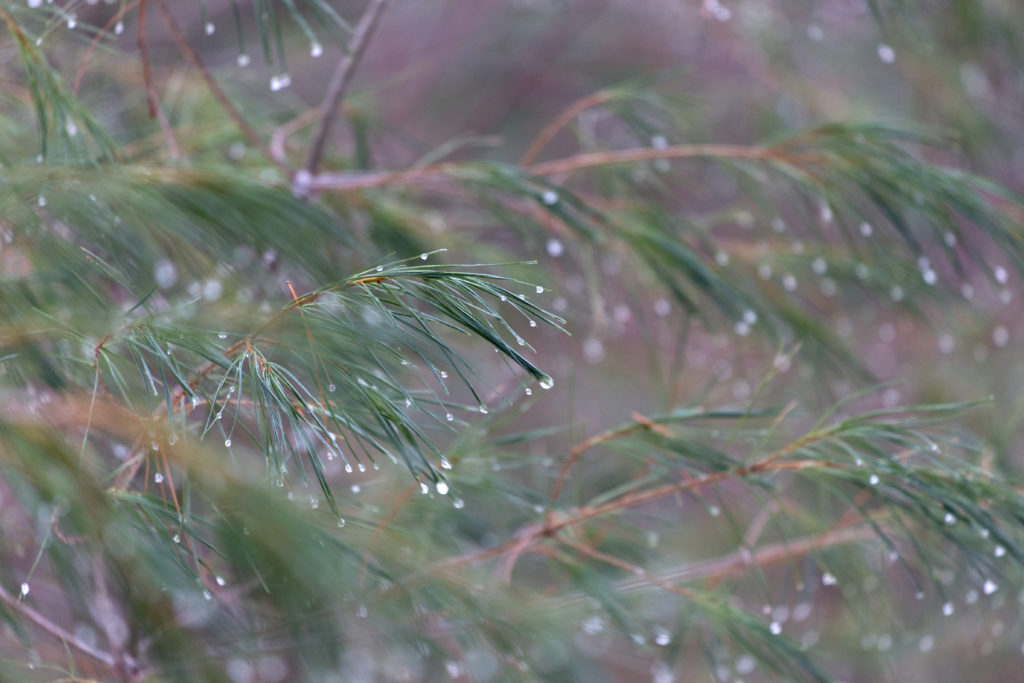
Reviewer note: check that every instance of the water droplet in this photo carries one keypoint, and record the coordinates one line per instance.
(341, 522)
(886, 53)
(227, 443)
(929, 277)
(42, 200)
(361, 467)
(946, 343)
(482, 408)
(533, 323)
(550, 198)
(819, 266)
(355, 488)
(948, 609)
(442, 488)
(1000, 336)
(348, 467)
(950, 518)
(546, 382)
(315, 50)
(714, 511)
(449, 417)
(220, 581)
(722, 258)
(999, 551)
(25, 588)
(741, 328)
(749, 316)
(745, 664)
(540, 290)
(424, 488)
(662, 307)
(866, 229)
(775, 627)
(158, 478)
(176, 538)
(926, 643)
(990, 587)
(458, 503)
(423, 257)
(119, 28)
(1001, 275)
(380, 269)
(210, 28)
(314, 502)
(242, 60)
(528, 391)
(896, 293)
(873, 480)
(444, 374)
(72, 21)
(555, 248)
(280, 82)
(829, 579)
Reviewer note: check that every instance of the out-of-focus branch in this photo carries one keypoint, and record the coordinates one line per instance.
(55, 630)
(152, 98)
(336, 91)
(562, 120)
(218, 93)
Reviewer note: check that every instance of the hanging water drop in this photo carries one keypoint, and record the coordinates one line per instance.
(458, 503)
(361, 467)
(550, 198)
(72, 21)
(25, 588)
(449, 417)
(483, 409)
(546, 382)
(948, 609)
(280, 82)
(829, 579)
(341, 522)
(886, 53)
(242, 60)
(950, 518)
(990, 587)
(424, 489)
(348, 468)
(775, 627)
(555, 248)
(445, 464)
(999, 551)
(227, 443)
(423, 257)
(442, 488)
(176, 538)
(210, 28)
(315, 50)
(158, 478)
(873, 480)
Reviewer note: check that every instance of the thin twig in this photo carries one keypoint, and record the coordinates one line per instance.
(55, 630)
(102, 33)
(218, 94)
(628, 566)
(155, 111)
(563, 119)
(336, 91)
(279, 138)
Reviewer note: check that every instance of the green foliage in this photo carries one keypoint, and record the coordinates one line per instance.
(244, 439)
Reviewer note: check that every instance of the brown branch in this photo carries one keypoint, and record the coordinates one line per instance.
(340, 82)
(562, 120)
(641, 422)
(155, 111)
(102, 33)
(628, 566)
(741, 560)
(279, 138)
(628, 156)
(55, 630)
(218, 94)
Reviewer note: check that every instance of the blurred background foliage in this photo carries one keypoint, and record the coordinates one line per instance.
(595, 340)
